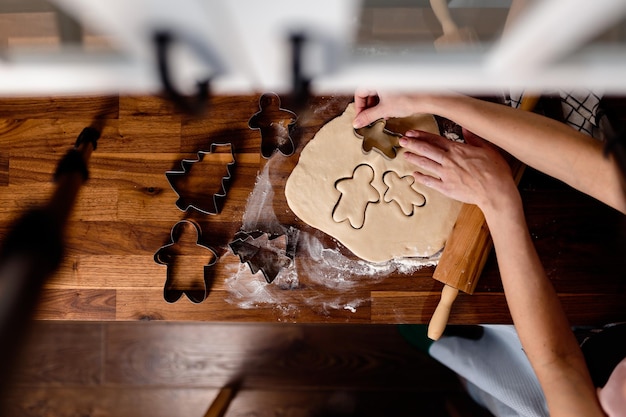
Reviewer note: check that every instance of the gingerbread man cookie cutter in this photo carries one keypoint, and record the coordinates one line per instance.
(376, 136)
(185, 256)
(196, 185)
(275, 124)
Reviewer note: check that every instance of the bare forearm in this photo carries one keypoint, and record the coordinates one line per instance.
(530, 295)
(539, 319)
(475, 172)
(545, 144)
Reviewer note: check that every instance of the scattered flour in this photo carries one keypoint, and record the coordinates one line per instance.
(330, 276)
(453, 136)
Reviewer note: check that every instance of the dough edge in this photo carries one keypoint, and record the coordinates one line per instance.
(387, 233)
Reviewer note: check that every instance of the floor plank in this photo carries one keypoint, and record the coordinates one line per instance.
(76, 304)
(58, 354)
(167, 402)
(165, 369)
(280, 356)
(106, 402)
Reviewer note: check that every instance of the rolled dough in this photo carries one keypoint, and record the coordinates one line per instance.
(331, 158)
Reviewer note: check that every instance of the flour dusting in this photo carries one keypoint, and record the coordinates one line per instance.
(259, 214)
(330, 276)
(453, 137)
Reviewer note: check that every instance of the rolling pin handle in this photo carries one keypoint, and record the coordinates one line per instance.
(439, 319)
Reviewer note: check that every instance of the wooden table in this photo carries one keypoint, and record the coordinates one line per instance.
(127, 209)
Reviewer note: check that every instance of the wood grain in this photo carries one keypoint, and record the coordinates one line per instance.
(276, 355)
(4, 167)
(466, 251)
(107, 401)
(100, 107)
(46, 355)
(76, 304)
(159, 368)
(417, 307)
(127, 208)
(166, 402)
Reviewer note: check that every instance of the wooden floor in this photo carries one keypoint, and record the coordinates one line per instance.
(176, 369)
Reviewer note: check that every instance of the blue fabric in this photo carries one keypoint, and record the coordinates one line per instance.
(496, 371)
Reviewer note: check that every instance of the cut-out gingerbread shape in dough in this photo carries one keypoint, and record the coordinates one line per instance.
(356, 194)
(387, 232)
(375, 136)
(402, 192)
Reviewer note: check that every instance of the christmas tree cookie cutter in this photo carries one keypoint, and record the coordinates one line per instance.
(204, 182)
(265, 252)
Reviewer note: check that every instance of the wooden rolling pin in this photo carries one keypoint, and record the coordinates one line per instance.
(466, 250)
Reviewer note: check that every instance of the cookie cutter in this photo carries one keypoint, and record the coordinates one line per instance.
(265, 252)
(377, 136)
(196, 186)
(185, 243)
(275, 124)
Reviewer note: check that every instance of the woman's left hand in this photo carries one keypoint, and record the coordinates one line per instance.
(473, 172)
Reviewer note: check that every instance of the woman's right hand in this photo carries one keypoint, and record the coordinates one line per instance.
(473, 172)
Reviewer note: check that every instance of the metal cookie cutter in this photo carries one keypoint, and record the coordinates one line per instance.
(264, 252)
(274, 123)
(188, 263)
(204, 182)
(376, 136)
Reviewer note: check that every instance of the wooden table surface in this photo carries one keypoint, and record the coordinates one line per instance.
(127, 209)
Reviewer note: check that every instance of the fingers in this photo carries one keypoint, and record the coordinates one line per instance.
(423, 162)
(367, 117)
(425, 153)
(432, 138)
(372, 101)
(429, 181)
(371, 106)
(365, 104)
(428, 145)
(364, 99)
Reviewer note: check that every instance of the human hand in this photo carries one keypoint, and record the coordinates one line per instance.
(371, 105)
(473, 172)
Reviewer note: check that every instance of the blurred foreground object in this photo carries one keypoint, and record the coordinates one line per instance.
(244, 46)
(33, 248)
